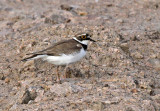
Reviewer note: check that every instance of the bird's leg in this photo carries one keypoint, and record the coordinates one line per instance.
(65, 73)
(58, 75)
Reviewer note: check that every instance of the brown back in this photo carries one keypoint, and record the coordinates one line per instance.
(67, 47)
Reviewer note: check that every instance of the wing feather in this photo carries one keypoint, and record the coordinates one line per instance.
(61, 47)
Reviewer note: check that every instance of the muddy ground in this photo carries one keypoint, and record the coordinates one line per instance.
(121, 72)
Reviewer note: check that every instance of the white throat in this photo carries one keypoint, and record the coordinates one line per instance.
(85, 42)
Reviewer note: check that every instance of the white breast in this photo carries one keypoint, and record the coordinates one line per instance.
(65, 59)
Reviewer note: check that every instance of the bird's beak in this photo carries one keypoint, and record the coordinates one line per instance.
(92, 40)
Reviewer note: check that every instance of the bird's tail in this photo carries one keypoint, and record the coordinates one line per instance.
(29, 58)
(35, 56)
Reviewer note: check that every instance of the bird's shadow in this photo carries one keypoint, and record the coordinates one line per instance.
(73, 72)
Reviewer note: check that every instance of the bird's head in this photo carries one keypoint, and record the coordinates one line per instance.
(84, 38)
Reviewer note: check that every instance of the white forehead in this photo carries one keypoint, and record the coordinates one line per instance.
(81, 34)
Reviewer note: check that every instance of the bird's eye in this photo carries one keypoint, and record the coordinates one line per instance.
(83, 36)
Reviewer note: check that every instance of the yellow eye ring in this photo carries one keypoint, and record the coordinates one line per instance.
(83, 36)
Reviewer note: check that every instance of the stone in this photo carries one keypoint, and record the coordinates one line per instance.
(124, 47)
(66, 7)
(65, 88)
(98, 105)
(137, 55)
(114, 100)
(134, 90)
(7, 80)
(55, 19)
(39, 95)
(27, 96)
(147, 105)
(82, 13)
(154, 63)
(119, 21)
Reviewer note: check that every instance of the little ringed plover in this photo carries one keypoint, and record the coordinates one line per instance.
(64, 52)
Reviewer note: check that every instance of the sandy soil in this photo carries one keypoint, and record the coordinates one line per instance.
(121, 72)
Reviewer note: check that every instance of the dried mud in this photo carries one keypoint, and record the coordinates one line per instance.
(121, 72)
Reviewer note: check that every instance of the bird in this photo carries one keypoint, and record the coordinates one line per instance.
(64, 52)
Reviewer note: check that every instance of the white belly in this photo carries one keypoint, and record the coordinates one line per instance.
(65, 59)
